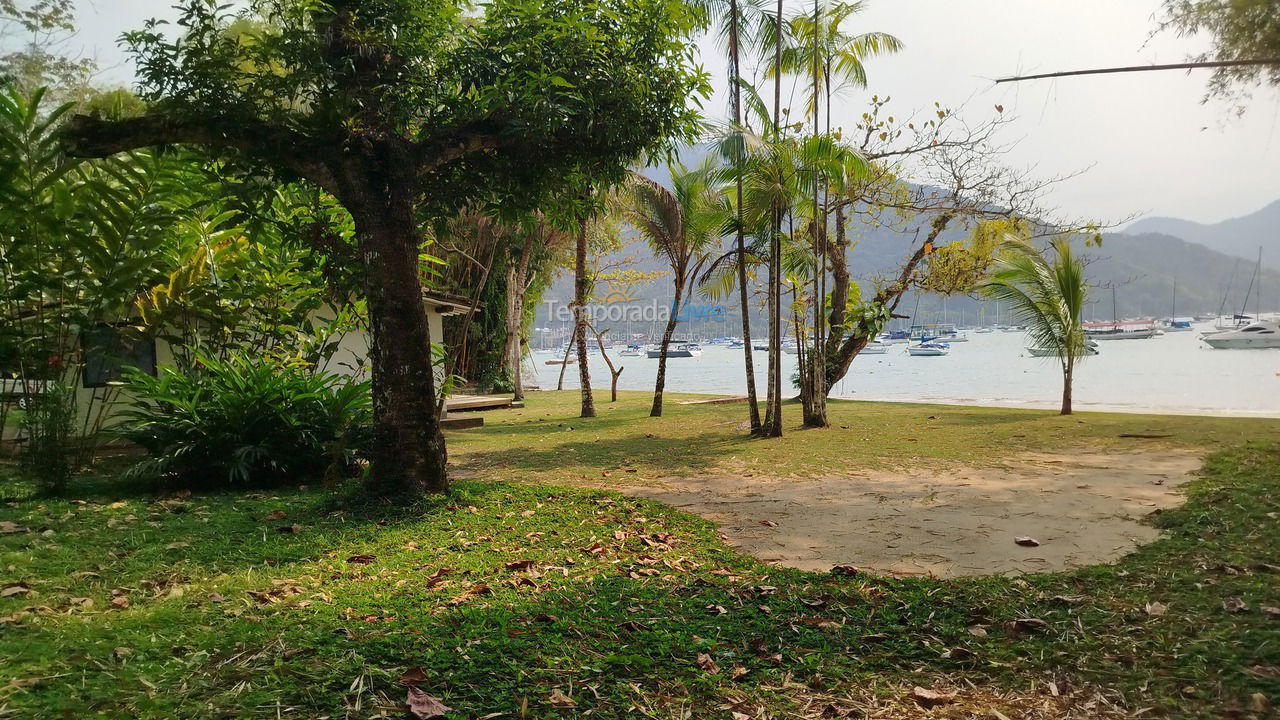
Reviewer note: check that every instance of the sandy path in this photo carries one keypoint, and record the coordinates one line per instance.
(1083, 508)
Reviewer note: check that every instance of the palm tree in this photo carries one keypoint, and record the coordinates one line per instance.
(683, 226)
(835, 59)
(728, 18)
(1048, 297)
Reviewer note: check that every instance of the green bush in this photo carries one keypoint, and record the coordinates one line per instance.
(246, 422)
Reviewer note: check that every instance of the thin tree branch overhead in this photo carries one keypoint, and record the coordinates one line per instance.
(1200, 65)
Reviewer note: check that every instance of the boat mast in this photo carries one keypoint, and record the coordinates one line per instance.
(1227, 294)
(1244, 306)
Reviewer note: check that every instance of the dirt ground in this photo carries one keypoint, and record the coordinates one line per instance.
(1082, 508)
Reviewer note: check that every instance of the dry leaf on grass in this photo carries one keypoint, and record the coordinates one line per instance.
(273, 516)
(437, 577)
(1234, 605)
(425, 707)
(471, 593)
(413, 677)
(363, 559)
(1156, 609)
(15, 589)
(559, 700)
(706, 662)
(932, 698)
(8, 527)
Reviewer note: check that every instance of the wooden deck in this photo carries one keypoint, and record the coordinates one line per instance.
(464, 410)
(476, 403)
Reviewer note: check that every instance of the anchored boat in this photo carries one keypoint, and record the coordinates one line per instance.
(1261, 335)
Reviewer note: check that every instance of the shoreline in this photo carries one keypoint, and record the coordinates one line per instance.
(1078, 406)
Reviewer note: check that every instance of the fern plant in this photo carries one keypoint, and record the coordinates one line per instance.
(246, 421)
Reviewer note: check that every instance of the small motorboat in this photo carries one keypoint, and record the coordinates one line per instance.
(929, 349)
(633, 351)
(683, 350)
(1261, 335)
(875, 347)
(790, 347)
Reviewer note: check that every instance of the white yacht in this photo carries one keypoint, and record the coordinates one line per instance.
(875, 347)
(1259, 335)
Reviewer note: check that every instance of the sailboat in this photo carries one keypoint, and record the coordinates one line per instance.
(1258, 334)
(1116, 330)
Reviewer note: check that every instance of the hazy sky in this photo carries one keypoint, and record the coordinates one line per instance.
(1149, 145)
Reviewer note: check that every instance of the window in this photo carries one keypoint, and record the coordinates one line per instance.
(108, 350)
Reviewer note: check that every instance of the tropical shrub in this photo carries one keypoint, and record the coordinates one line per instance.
(246, 422)
(46, 424)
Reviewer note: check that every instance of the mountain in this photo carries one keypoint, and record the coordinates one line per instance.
(1240, 236)
(1153, 275)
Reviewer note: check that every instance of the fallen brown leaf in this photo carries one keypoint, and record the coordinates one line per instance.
(1022, 625)
(15, 589)
(931, 698)
(558, 699)
(425, 707)
(120, 602)
(1234, 605)
(413, 677)
(362, 559)
(516, 565)
(1026, 541)
(707, 663)
(8, 527)
(273, 516)
(1156, 609)
(471, 593)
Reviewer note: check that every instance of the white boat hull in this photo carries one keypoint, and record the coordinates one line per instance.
(1143, 334)
(1256, 336)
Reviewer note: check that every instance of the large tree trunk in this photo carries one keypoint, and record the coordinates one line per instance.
(582, 291)
(656, 410)
(753, 407)
(408, 445)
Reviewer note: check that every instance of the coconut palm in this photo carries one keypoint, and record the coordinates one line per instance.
(682, 225)
(1048, 297)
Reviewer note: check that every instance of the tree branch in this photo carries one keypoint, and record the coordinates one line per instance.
(90, 136)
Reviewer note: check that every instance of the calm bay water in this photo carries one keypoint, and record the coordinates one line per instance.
(1173, 373)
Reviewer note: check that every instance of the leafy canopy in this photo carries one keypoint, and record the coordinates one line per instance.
(495, 102)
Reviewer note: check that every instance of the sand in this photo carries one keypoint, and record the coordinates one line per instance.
(1083, 509)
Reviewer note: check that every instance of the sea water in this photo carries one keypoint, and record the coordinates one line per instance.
(1173, 373)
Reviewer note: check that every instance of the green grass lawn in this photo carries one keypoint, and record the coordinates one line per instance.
(513, 595)
(547, 442)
